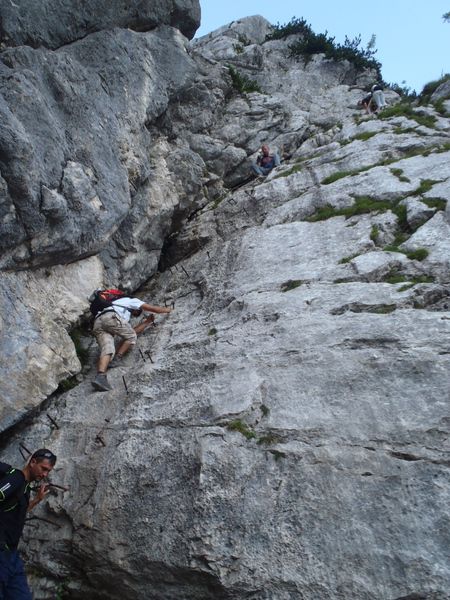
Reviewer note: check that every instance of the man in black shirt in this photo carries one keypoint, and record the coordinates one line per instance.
(14, 504)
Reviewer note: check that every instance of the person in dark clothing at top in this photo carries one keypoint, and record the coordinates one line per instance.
(265, 161)
(366, 101)
(14, 505)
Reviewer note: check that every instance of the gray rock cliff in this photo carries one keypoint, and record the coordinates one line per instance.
(284, 433)
(81, 176)
(55, 23)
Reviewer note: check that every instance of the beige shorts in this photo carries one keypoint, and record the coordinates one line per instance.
(108, 325)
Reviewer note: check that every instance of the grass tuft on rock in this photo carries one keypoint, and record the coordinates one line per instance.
(217, 201)
(291, 171)
(416, 280)
(335, 176)
(399, 174)
(362, 205)
(419, 254)
(424, 187)
(442, 148)
(440, 107)
(278, 454)
(242, 428)
(438, 203)
(265, 410)
(394, 277)
(291, 284)
(347, 259)
(383, 309)
(374, 233)
(404, 109)
(268, 439)
(365, 135)
(67, 384)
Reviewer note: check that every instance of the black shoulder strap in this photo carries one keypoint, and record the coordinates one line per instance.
(4, 469)
(124, 307)
(9, 504)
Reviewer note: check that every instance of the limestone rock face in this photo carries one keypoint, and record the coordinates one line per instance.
(37, 308)
(82, 176)
(55, 23)
(442, 92)
(283, 433)
(78, 129)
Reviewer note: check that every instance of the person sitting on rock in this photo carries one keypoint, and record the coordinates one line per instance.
(378, 101)
(265, 161)
(112, 321)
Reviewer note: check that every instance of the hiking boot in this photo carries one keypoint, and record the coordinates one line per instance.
(100, 383)
(117, 361)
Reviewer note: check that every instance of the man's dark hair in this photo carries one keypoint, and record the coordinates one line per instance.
(44, 454)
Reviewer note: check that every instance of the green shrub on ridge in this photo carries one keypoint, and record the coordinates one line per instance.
(242, 83)
(295, 26)
(312, 43)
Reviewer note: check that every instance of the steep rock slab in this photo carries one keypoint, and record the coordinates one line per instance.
(82, 176)
(55, 23)
(276, 427)
(75, 148)
(272, 440)
(37, 309)
(284, 432)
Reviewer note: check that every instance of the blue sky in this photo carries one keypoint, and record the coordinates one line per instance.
(413, 41)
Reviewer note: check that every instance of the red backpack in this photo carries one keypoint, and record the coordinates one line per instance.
(101, 299)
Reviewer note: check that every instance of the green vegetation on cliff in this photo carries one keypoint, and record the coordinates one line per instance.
(311, 43)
